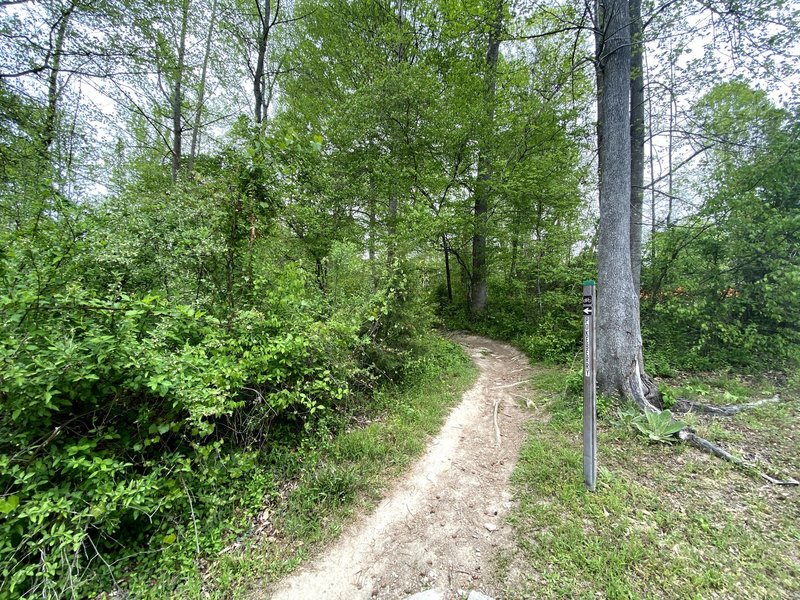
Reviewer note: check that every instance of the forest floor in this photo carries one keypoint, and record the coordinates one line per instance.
(667, 521)
(441, 525)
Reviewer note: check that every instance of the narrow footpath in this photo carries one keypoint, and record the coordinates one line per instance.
(439, 526)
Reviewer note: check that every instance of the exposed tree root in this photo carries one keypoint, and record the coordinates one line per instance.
(683, 405)
(496, 424)
(688, 435)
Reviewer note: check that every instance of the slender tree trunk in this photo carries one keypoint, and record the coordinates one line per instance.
(264, 16)
(637, 141)
(620, 367)
(177, 96)
(670, 146)
(391, 229)
(479, 290)
(539, 255)
(447, 269)
(372, 231)
(201, 91)
(49, 129)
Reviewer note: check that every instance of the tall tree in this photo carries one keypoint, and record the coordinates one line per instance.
(201, 90)
(620, 356)
(265, 22)
(479, 289)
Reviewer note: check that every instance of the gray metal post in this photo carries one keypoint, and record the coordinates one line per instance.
(589, 387)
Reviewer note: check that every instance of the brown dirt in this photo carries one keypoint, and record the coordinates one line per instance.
(441, 524)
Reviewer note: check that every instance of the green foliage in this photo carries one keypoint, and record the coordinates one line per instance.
(176, 347)
(154, 347)
(658, 426)
(668, 398)
(723, 287)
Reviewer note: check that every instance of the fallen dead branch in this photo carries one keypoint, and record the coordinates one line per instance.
(683, 405)
(690, 437)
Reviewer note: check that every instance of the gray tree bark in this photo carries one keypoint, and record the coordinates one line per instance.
(619, 342)
(637, 141)
(201, 91)
(448, 278)
(49, 130)
(264, 16)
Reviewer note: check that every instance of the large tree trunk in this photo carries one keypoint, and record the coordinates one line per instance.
(619, 341)
(637, 141)
(479, 288)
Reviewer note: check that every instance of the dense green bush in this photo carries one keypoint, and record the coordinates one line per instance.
(116, 413)
(156, 349)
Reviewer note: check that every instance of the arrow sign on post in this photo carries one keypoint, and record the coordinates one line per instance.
(589, 387)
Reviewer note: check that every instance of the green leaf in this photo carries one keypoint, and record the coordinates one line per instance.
(7, 505)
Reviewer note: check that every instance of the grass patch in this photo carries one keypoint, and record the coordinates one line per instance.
(666, 521)
(313, 490)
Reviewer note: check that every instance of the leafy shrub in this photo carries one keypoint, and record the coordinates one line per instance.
(113, 418)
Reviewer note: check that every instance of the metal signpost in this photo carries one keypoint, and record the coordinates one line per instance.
(589, 391)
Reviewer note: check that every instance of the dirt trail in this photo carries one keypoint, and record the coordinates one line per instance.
(440, 525)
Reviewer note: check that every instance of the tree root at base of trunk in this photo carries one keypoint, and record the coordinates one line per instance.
(689, 436)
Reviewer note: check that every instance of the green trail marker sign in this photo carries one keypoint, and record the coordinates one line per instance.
(589, 386)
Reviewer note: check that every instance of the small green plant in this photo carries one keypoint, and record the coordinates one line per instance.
(626, 415)
(605, 404)
(658, 426)
(668, 398)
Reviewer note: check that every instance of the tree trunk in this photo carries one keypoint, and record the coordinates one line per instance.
(479, 288)
(670, 144)
(391, 230)
(447, 269)
(652, 186)
(637, 141)
(49, 130)
(620, 366)
(258, 78)
(201, 92)
(177, 96)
